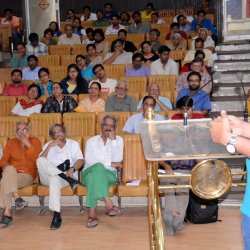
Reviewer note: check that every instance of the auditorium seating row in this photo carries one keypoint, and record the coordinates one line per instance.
(77, 124)
(134, 168)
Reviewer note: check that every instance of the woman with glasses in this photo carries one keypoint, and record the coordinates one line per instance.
(58, 102)
(29, 105)
(94, 102)
(45, 84)
(74, 83)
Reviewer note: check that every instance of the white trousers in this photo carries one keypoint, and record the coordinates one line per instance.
(48, 174)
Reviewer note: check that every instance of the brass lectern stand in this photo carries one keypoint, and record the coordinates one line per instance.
(169, 140)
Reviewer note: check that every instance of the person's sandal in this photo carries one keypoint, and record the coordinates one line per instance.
(6, 221)
(92, 222)
(113, 211)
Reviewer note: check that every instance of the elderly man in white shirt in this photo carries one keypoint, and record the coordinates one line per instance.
(103, 155)
(58, 167)
(69, 37)
(164, 65)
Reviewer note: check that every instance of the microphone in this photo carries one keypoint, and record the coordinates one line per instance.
(239, 76)
(215, 76)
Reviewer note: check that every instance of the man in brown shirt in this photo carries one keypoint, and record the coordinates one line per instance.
(18, 166)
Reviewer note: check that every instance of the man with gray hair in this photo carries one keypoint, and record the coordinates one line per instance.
(18, 165)
(120, 101)
(103, 156)
(58, 167)
(162, 103)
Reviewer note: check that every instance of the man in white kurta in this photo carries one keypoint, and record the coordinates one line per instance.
(58, 166)
(103, 154)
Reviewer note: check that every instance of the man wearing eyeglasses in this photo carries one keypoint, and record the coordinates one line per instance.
(58, 167)
(69, 37)
(120, 101)
(201, 100)
(18, 167)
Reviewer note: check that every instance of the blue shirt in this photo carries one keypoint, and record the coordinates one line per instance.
(49, 87)
(133, 124)
(163, 99)
(206, 24)
(245, 208)
(142, 71)
(87, 73)
(201, 99)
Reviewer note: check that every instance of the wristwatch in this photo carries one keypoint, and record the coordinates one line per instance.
(231, 144)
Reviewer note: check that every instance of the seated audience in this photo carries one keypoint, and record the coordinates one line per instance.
(108, 85)
(69, 37)
(199, 45)
(103, 157)
(46, 84)
(77, 27)
(155, 19)
(162, 103)
(148, 11)
(201, 98)
(15, 23)
(115, 26)
(101, 21)
(177, 43)
(208, 41)
(92, 103)
(184, 24)
(90, 37)
(74, 83)
(30, 105)
(154, 36)
(87, 14)
(34, 47)
(175, 28)
(70, 16)
(120, 101)
(133, 124)
(137, 68)
(164, 65)
(184, 13)
(118, 55)
(186, 104)
(108, 11)
(207, 6)
(16, 87)
(148, 55)
(138, 26)
(92, 58)
(58, 102)
(204, 23)
(20, 59)
(128, 46)
(58, 167)
(48, 38)
(31, 72)
(18, 164)
(196, 65)
(55, 29)
(86, 70)
(102, 46)
(125, 18)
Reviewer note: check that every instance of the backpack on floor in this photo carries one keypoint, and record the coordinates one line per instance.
(201, 211)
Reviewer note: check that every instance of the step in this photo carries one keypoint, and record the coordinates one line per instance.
(233, 47)
(232, 65)
(214, 114)
(231, 77)
(229, 91)
(227, 56)
(227, 105)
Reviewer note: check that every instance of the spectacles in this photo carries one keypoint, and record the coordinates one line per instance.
(72, 71)
(194, 81)
(149, 105)
(121, 89)
(19, 130)
(58, 133)
(108, 126)
(33, 91)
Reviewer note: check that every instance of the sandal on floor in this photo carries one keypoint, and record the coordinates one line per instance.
(92, 222)
(6, 221)
(113, 211)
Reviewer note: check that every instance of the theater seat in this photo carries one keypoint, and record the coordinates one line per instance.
(7, 103)
(166, 82)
